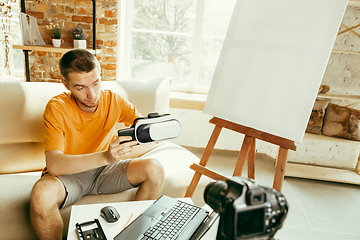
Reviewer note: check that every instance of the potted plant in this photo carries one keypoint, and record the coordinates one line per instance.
(79, 36)
(56, 32)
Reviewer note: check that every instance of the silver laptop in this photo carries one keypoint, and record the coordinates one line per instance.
(166, 219)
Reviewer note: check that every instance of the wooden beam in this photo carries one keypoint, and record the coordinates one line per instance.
(346, 52)
(280, 168)
(207, 172)
(348, 29)
(357, 168)
(251, 159)
(240, 163)
(283, 142)
(351, 30)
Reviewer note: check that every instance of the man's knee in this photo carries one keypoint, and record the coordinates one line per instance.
(154, 170)
(145, 170)
(47, 193)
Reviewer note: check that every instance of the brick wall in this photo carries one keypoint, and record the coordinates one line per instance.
(70, 13)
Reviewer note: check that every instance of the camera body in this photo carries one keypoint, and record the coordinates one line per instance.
(247, 210)
(153, 128)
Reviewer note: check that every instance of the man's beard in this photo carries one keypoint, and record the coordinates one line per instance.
(89, 105)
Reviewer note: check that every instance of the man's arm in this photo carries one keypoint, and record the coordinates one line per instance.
(58, 163)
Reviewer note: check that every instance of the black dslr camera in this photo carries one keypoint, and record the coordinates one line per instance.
(247, 210)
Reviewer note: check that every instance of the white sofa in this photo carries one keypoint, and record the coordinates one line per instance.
(22, 151)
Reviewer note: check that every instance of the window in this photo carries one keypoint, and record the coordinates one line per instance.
(12, 9)
(178, 38)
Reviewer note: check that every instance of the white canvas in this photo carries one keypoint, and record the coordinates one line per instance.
(272, 63)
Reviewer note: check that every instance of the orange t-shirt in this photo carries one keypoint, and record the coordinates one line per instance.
(74, 132)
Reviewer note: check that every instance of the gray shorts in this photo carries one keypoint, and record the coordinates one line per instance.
(103, 180)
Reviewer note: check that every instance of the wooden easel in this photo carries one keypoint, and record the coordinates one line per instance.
(247, 150)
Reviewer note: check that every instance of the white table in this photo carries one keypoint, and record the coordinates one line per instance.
(85, 213)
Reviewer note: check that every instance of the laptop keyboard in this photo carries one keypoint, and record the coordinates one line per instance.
(171, 226)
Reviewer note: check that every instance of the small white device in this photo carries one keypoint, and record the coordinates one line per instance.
(153, 128)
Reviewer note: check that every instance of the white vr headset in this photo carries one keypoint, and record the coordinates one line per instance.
(153, 128)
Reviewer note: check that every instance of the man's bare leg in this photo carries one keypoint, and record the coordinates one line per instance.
(46, 197)
(149, 173)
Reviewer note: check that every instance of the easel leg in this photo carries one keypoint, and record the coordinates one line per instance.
(280, 168)
(204, 159)
(357, 168)
(251, 159)
(242, 155)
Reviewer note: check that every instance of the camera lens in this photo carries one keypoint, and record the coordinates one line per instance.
(214, 195)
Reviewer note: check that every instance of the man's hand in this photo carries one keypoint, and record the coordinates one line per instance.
(119, 150)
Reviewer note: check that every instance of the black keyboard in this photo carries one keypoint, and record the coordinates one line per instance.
(173, 224)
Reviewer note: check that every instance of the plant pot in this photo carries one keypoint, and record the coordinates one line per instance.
(80, 44)
(56, 42)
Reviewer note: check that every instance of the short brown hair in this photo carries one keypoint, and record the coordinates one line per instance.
(77, 60)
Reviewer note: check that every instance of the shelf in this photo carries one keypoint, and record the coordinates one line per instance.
(346, 52)
(322, 173)
(353, 3)
(49, 48)
(320, 137)
(339, 96)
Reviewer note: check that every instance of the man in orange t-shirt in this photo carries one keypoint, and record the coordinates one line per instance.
(83, 154)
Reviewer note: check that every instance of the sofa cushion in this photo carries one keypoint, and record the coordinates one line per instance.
(21, 157)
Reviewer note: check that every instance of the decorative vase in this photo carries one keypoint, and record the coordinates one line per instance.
(79, 43)
(56, 42)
